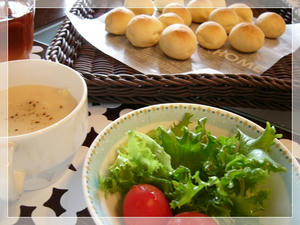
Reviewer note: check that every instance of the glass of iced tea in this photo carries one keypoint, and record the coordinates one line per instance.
(16, 20)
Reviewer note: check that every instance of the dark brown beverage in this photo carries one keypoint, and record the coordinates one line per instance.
(19, 24)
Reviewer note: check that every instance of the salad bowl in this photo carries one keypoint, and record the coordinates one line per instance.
(280, 207)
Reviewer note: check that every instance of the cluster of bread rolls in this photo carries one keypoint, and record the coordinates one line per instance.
(244, 35)
(171, 31)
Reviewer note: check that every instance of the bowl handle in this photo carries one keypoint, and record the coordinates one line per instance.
(11, 179)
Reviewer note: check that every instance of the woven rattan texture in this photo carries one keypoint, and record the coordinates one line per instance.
(109, 80)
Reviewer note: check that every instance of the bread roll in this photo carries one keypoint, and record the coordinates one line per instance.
(246, 37)
(200, 10)
(180, 11)
(144, 31)
(218, 3)
(178, 41)
(243, 11)
(160, 4)
(272, 24)
(211, 35)
(168, 19)
(226, 17)
(116, 20)
(140, 6)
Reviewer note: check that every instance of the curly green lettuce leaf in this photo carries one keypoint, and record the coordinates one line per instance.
(249, 206)
(141, 160)
(191, 149)
(146, 151)
(264, 141)
(177, 128)
(260, 159)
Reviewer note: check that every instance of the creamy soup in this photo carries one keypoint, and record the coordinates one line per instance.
(33, 107)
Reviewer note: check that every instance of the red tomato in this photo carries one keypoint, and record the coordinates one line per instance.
(191, 214)
(145, 200)
(179, 220)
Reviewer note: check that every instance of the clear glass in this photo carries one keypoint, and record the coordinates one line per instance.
(17, 21)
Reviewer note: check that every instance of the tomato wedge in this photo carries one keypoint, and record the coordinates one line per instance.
(194, 219)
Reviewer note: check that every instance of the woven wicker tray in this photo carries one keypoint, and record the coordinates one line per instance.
(109, 80)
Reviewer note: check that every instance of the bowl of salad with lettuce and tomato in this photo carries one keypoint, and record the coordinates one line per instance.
(182, 164)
